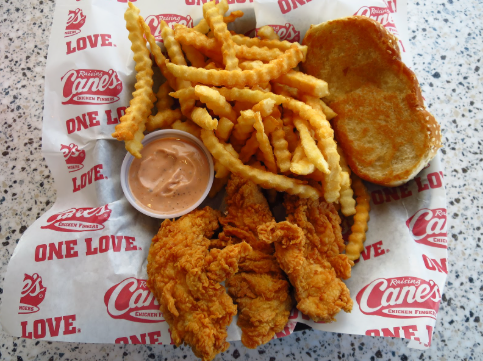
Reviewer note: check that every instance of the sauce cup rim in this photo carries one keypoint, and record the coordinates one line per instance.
(159, 134)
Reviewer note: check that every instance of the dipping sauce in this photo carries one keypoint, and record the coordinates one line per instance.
(171, 176)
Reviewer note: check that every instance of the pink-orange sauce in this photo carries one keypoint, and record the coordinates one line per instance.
(171, 176)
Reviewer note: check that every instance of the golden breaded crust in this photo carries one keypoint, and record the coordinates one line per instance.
(382, 124)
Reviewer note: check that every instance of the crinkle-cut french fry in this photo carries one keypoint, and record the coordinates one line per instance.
(215, 20)
(172, 45)
(251, 64)
(163, 119)
(223, 131)
(159, 58)
(218, 184)
(194, 56)
(271, 194)
(325, 142)
(347, 200)
(271, 44)
(212, 65)
(305, 83)
(202, 26)
(254, 52)
(248, 95)
(361, 218)
(187, 126)
(221, 170)
(215, 101)
(135, 146)
(264, 144)
(318, 103)
(310, 147)
(240, 78)
(271, 124)
(196, 39)
(262, 87)
(267, 33)
(164, 101)
(233, 16)
(280, 149)
(300, 163)
(265, 107)
(329, 113)
(211, 47)
(290, 136)
(143, 98)
(201, 117)
(264, 179)
(229, 148)
(186, 93)
(177, 57)
(249, 149)
(284, 90)
(244, 125)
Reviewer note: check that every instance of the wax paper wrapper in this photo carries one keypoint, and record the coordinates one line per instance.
(79, 272)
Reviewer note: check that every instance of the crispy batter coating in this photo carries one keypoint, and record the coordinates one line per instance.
(308, 247)
(259, 288)
(185, 278)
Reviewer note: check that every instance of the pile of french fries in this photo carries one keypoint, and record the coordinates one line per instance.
(243, 97)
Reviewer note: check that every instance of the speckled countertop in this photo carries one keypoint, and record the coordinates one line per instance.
(446, 39)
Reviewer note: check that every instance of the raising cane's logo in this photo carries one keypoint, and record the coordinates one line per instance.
(153, 22)
(33, 293)
(131, 300)
(285, 32)
(400, 297)
(86, 86)
(428, 227)
(79, 219)
(381, 15)
(73, 157)
(75, 21)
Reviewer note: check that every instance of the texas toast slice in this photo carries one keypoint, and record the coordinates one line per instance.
(382, 125)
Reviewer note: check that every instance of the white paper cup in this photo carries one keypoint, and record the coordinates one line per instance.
(159, 134)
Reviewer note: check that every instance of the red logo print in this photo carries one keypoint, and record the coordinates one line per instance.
(79, 219)
(391, 5)
(86, 86)
(285, 32)
(75, 21)
(73, 157)
(400, 297)
(428, 227)
(33, 293)
(153, 22)
(131, 300)
(381, 15)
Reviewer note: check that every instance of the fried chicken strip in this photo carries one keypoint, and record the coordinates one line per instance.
(308, 247)
(260, 289)
(185, 278)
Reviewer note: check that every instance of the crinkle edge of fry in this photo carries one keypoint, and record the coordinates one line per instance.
(361, 218)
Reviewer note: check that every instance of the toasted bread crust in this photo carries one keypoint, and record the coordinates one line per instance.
(382, 124)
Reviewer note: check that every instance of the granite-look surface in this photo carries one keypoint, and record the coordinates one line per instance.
(447, 43)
